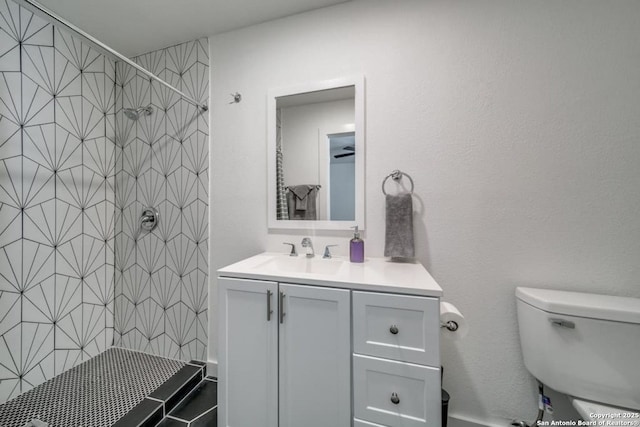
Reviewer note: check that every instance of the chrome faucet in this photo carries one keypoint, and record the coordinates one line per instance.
(293, 248)
(306, 243)
(327, 251)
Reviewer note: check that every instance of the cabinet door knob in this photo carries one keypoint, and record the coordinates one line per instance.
(393, 329)
(394, 398)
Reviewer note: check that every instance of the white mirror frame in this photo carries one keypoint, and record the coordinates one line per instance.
(273, 94)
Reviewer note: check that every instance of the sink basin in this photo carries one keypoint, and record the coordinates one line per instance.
(287, 264)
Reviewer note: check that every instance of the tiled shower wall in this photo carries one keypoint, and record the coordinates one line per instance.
(162, 162)
(57, 176)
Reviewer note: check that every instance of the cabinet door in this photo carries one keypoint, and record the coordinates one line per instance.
(248, 340)
(315, 348)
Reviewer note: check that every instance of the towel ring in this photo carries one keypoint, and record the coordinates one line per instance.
(396, 175)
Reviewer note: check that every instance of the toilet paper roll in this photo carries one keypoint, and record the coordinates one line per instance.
(450, 313)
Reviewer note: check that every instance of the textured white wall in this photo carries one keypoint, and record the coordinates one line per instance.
(518, 122)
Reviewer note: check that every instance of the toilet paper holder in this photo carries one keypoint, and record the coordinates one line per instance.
(451, 325)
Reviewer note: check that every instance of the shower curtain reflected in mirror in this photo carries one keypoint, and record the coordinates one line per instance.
(283, 210)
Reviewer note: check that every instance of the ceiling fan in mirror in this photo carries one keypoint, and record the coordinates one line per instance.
(350, 148)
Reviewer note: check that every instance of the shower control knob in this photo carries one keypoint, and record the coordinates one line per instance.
(149, 219)
(393, 329)
(394, 398)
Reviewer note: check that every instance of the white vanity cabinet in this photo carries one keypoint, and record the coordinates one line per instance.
(327, 343)
(284, 355)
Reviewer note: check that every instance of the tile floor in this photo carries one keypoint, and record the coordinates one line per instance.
(96, 393)
(120, 388)
(198, 409)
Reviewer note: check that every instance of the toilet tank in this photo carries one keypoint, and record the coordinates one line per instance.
(583, 345)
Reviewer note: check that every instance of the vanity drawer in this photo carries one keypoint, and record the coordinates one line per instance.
(360, 423)
(398, 327)
(394, 393)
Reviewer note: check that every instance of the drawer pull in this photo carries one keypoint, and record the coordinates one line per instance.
(393, 329)
(394, 398)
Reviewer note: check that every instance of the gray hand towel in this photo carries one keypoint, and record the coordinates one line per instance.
(302, 193)
(399, 226)
(309, 212)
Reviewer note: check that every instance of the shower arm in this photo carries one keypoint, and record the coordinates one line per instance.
(39, 9)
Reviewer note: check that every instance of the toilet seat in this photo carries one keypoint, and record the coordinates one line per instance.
(589, 410)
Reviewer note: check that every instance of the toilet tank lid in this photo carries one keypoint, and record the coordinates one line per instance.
(594, 306)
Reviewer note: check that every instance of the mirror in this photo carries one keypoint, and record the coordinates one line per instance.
(316, 155)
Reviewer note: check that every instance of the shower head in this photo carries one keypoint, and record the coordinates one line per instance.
(134, 113)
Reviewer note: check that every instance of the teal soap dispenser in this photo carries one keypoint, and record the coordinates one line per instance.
(356, 247)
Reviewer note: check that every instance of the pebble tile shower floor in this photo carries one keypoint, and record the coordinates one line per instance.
(95, 393)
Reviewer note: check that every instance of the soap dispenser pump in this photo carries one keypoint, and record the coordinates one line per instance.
(356, 247)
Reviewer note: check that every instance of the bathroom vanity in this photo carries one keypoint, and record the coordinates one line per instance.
(324, 342)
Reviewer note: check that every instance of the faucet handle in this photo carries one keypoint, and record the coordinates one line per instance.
(293, 248)
(327, 252)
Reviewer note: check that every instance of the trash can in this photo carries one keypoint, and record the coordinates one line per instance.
(445, 407)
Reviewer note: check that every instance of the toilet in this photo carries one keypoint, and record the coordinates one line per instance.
(586, 346)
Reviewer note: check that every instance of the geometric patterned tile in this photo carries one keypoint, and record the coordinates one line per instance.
(38, 66)
(195, 149)
(98, 286)
(181, 325)
(152, 127)
(10, 358)
(79, 54)
(81, 256)
(170, 224)
(152, 188)
(136, 285)
(181, 255)
(37, 104)
(165, 288)
(67, 77)
(99, 156)
(166, 155)
(9, 311)
(150, 319)
(99, 221)
(38, 183)
(196, 81)
(161, 96)
(10, 136)
(153, 61)
(137, 92)
(195, 221)
(10, 224)
(151, 255)
(98, 89)
(37, 353)
(9, 49)
(124, 316)
(182, 187)
(57, 195)
(181, 57)
(182, 120)
(39, 145)
(195, 291)
(11, 105)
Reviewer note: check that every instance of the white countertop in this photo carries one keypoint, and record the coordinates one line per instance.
(375, 274)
